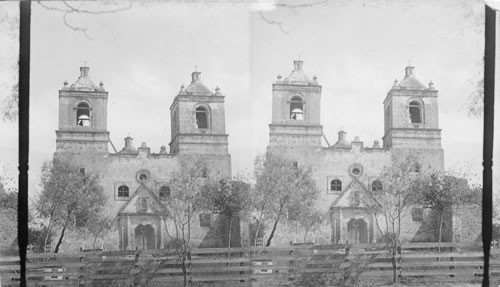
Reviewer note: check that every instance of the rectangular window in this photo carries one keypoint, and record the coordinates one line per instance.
(82, 170)
(417, 214)
(205, 219)
(122, 191)
(295, 164)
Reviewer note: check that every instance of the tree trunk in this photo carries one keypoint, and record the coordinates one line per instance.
(62, 235)
(394, 268)
(229, 238)
(183, 266)
(48, 233)
(272, 233)
(257, 233)
(184, 272)
(440, 230)
(95, 241)
(84, 239)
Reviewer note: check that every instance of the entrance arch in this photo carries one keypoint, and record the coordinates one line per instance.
(145, 237)
(357, 230)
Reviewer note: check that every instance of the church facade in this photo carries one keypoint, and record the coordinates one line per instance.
(136, 180)
(347, 172)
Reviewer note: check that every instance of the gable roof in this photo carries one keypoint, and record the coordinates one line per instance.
(347, 190)
(131, 199)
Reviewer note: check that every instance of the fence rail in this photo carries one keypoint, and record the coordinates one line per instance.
(252, 266)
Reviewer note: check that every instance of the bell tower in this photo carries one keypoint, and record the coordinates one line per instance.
(411, 118)
(296, 111)
(82, 117)
(198, 124)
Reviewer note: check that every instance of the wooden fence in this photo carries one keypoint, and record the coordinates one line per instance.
(307, 265)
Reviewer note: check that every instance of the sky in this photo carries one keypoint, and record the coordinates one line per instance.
(355, 48)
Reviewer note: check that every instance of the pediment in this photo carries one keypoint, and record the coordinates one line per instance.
(355, 195)
(143, 201)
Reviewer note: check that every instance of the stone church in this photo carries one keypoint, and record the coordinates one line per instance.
(347, 171)
(135, 179)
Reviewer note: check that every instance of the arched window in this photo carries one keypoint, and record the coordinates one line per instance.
(336, 185)
(415, 112)
(202, 117)
(164, 192)
(377, 185)
(123, 191)
(83, 115)
(297, 109)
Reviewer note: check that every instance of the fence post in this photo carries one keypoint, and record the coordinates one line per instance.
(451, 266)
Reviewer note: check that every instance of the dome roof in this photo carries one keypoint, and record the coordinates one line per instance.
(84, 83)
(196, 87)
(410, 82)
(298, 77)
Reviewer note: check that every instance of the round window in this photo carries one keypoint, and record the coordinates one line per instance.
(142, 175)
(356, 169)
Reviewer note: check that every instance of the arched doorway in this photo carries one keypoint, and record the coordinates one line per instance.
(357, 230)
(145, 237)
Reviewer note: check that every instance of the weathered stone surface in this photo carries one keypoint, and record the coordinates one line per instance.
(87, 147)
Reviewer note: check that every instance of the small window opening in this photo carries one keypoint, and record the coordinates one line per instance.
(143, 204)
(295, 164)
(297, 109)
(82, 171)
(164, 192)
(355, 198)
(123, 191)
(336, 185)
(377, 185)
(205, 219)
(415, 112)
(202, 117)
(83, 115)
(417, 214)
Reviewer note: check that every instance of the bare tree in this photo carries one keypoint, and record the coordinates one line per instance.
(180, 208)
(70, 8)
(394, 200)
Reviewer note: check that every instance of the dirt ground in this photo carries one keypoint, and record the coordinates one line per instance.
(453, 284)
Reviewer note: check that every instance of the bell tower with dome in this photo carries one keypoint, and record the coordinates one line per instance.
(82, 117)
(411, 114)
(296, 111)
(411, 118)
(198, 122)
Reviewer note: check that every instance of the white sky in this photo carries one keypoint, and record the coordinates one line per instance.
(356, 49)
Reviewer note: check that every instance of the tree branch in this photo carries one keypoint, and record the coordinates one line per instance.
(272, 22)
(70, 9)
